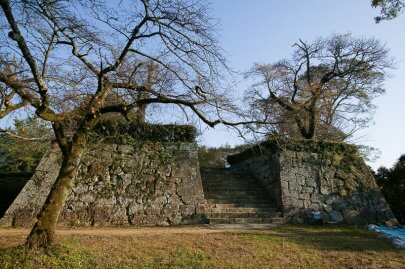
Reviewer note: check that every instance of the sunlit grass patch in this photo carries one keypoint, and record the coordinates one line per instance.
(280, 247)
(58, 256)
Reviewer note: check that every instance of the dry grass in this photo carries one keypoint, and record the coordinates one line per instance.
(202, 247)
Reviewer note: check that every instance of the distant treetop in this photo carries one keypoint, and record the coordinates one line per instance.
(390, 9)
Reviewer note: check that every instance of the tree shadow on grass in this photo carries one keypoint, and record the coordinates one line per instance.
(339, 238)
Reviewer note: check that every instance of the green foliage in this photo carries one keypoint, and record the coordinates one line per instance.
(124, 132)
(392, 183)
(19, 155)
(278, 143)
(214, 157)
(56, 257)
(72, 256)
(390, 9)
(217, 157)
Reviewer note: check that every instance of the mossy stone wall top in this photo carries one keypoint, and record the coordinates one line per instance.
(127, 132)
(278, 144)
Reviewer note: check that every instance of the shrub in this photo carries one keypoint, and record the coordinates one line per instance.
(274, 144)
(392, 184)
(214, 157)
(17, 155)
(123, 132)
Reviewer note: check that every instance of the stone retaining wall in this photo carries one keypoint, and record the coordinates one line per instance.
(339, 185)
(145, 184)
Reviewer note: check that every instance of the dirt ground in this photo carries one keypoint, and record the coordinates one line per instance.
(100, 231)
(10, 237)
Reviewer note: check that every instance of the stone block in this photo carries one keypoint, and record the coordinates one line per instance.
(304, 196)
(284, 184)
(125, 149)
(325, 216)
(310, 182)
(297, 203)
(338, 205)
(336, 216)
(307, 190)
(316, 198)
(352, 216)
(324, 189)
(327, 208)
(307, 204)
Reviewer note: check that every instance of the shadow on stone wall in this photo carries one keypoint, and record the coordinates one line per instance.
(10, 186)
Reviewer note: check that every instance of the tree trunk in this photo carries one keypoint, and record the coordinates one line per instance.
(141, 113)
(301, 127)
(42, 234)
(307, 130)
(312, 120)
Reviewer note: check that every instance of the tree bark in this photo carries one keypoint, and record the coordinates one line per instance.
(312, 118)
(141, 113)
(301, 126)
(42, 233)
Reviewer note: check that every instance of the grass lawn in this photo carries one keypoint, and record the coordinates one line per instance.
(205, 247)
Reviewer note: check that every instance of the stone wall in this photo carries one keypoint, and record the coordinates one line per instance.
(337, 183)
(145, 184)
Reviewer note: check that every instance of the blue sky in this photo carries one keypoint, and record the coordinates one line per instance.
(264, 30)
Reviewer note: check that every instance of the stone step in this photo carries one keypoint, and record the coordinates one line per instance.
(225, 176)
(239, 205)
(231, 184)
(225, 172)
(234, 215)
(236, 191)
(204, 170)
(229, 180)
(224, 192)
(235, 197)
(219, 198)
(233, 188)
(245, 182)
(244, 220)
(240, 209)
(245, 200)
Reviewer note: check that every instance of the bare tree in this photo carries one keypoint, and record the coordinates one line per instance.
(72, 55)
(325, 91)
(9, 100)
(149, 76)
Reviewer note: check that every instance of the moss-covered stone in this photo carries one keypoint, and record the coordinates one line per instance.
(129, 133)
(273, 145)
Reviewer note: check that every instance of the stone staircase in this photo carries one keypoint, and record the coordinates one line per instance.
(235, 197)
